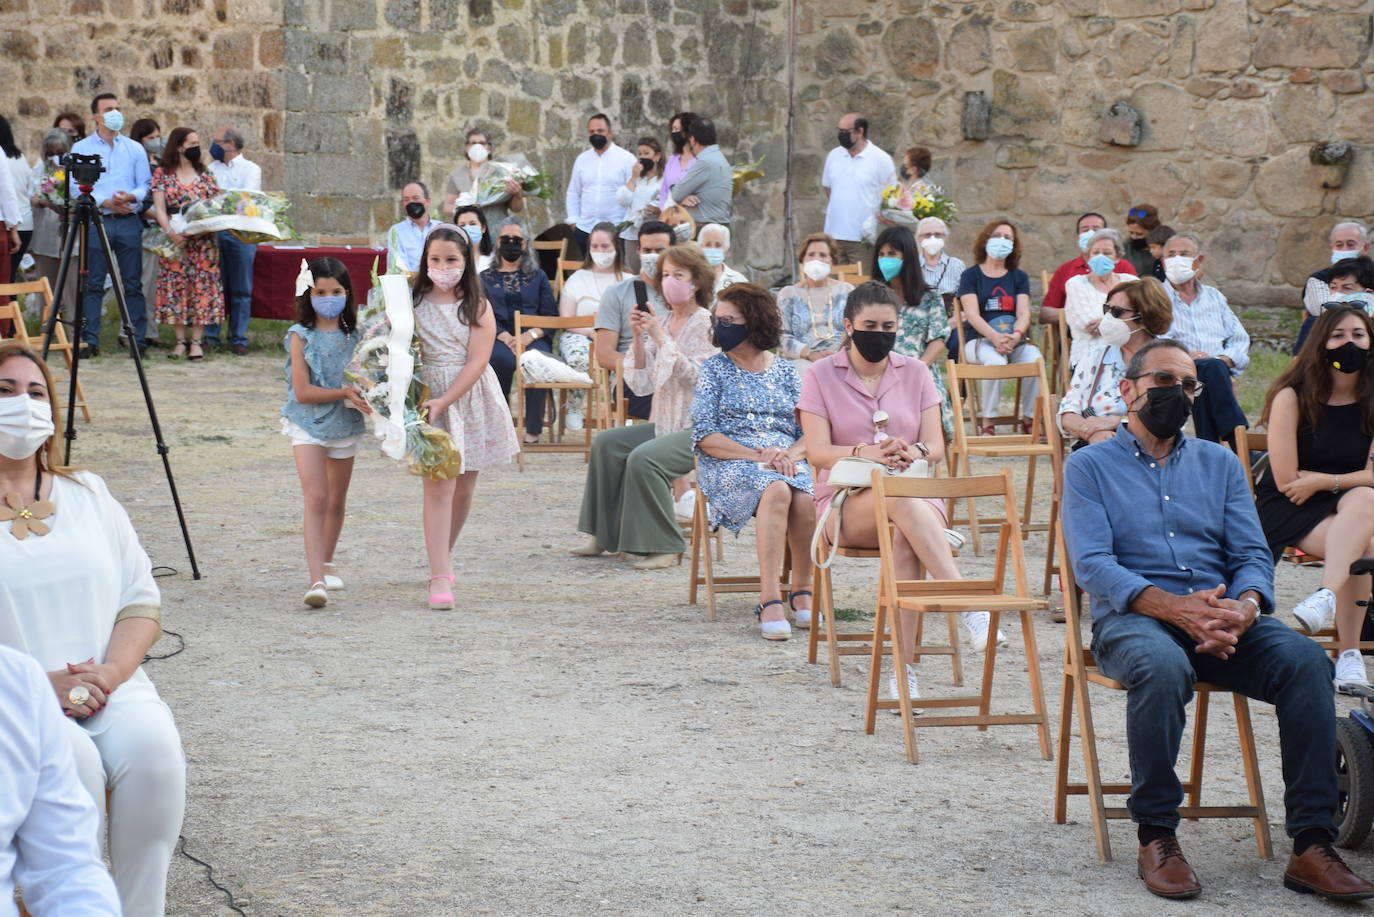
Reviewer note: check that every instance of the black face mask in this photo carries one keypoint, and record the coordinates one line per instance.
(1347, 358)
(192, 153)
(646, 166)
(904, 173)
(728, 337)
(1140, 244)
(511, 251)
(1165, 411)
(874, 346)
(598, 141)
(678, 138)
(415, 210)
(846, 139)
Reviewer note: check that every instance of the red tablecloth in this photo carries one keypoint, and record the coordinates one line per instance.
(275, 270)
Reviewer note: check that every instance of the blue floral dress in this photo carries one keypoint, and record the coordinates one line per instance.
(919, 325)
(758, 410)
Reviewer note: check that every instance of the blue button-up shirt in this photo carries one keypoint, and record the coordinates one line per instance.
(126, 167)
(1209, 325)
(1182, 525)
(405, 242)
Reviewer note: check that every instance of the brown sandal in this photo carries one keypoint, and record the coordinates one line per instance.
(195, 353)
(179, 350)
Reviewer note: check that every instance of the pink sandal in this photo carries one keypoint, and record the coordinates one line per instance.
(441, 601)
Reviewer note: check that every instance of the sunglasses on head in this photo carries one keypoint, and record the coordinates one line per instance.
(1344, 303)
(1165, 379)
(1137, 213)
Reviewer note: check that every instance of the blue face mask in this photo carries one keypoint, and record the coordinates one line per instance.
(1101, 265)
(1341, 256)
(1084, 238)
(1000, 248)
(216, 151)
(114, 120)
(714, 256)
(328, 306)
(474, 233)
(728, 337)
(890, 267)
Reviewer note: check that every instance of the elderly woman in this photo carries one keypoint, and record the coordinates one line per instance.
(714, 240)
(467, 177)
(750, 458)
(940, 270)
(46, 246)
(924, 324)
(515, 283)
(1085, 294)
(840, 398)
(995, 298)
(813, 308)
(582, 293)
(1136, 312)
(1319, 494)
(627, 506)
(77, 594)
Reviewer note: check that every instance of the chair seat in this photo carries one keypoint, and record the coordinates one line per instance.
(972, 603)
(1009, 449)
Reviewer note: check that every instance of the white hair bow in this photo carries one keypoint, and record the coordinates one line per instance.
(304, 280)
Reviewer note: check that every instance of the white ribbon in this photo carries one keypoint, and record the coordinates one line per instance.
(304, 280)
(400, 313)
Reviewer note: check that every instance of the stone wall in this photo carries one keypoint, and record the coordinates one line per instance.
(1215, 104)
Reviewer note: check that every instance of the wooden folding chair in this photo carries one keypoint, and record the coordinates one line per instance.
(565, 267)
(60, 343)
(593, 389)
(847, 272)
(1080, 670)
(949, 597)
(703, 572)
(973, 394)
(561, 247)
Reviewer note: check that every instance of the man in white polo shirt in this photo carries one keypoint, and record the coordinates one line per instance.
(856, 172)
(234, 172)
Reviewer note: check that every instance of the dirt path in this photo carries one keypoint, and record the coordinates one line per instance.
(574, 739)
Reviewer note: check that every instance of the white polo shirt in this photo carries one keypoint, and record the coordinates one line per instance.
(238, 174)
(856, 185)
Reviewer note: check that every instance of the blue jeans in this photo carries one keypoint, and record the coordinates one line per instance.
(1273, 663)
(236, 270)
(126, 242)
(1216, 413)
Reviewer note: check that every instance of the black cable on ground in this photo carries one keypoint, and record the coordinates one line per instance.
(210, 874)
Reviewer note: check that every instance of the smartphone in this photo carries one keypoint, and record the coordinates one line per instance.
(642, 296)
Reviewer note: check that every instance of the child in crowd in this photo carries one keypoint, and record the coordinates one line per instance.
(456, 329)
(321, 414)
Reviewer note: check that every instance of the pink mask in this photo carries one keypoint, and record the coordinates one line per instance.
(676, 291)
(446, 278)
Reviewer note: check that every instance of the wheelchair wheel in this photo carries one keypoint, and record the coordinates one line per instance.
(1354, 783)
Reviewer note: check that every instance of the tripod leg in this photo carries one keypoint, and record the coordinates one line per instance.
(162, 448)
(68, 243)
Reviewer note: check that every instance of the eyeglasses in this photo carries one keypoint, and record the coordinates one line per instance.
(1118, 312)
(1165, 379)
(1137, 213)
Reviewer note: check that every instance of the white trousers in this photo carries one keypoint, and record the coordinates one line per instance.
(981, 351)
(139, 758)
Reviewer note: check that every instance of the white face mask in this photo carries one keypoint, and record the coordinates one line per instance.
(1113, 331)
(648, 265)
(25, 425)
(683, 232)
(478, 152)
(816, 270)
(603, 259)
(932, 245)
(1179, 269)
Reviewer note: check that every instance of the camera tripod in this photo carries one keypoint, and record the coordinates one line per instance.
(86, 170)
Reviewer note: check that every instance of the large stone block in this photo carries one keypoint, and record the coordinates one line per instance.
(1235, 127)
(912, 47)
(1181, 47)
(1303, 246)
(1355, 119)
(1321, 41)
(1357, 194)
(403, 14)
(19, 45)
(270, 50)
(1301, 113)
(1036, 50)
(344, 94)
(523, 117)
(1168, 113)
(318, 53)
(140, 93)
(1021, 106)
(1135, 52)
(1122, 125)
(233, 51)
(353, 14)
(837, 52)
(1223, 39)
(1289, 185)
(1224, 178)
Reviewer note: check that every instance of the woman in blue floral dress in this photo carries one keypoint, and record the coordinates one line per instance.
(750, 457)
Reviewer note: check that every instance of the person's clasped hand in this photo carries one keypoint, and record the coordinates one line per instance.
(1215, 622)
(97, 679)
(1301, 488)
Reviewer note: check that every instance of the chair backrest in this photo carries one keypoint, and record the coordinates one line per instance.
(524, 322)
(1245, 443)
(844, 271)
(12, 309)
(1044, 284)
(1075, 651)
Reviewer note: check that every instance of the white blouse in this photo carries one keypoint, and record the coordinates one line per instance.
(1083, 303)
(586, 287)
(61, 593)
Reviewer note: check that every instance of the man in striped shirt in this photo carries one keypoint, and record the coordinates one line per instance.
(1214, 336)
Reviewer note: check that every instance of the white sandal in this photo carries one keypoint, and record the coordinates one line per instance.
(316, 597)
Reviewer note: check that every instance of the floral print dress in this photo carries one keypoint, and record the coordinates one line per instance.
(189, 291)
(918, 326)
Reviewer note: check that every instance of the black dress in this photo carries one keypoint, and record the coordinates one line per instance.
(1338, 445)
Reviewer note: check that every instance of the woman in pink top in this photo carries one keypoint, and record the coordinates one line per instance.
(839, 398)
(676, 165)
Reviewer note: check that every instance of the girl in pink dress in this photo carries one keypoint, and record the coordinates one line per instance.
(839, 398)
(456, 329)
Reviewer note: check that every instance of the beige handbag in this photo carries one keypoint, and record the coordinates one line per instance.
(848, 475)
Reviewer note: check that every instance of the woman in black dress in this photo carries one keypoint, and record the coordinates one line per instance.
(1319, 494)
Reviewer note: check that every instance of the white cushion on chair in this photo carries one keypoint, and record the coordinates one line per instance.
(538, 368)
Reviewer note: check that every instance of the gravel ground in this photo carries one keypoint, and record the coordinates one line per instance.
(574, 739)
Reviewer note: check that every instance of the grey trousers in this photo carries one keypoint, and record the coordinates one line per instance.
(628, 501)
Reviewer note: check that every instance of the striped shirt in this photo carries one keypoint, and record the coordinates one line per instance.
(1208, 324)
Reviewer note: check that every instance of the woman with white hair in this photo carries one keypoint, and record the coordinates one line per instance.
(46, 245)
(940, 269)
(515, 283)
(1086, 294)
(714, 240)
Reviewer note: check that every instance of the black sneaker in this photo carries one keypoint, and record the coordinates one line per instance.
(88, 351)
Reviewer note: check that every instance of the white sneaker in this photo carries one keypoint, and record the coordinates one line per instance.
(911, 687)
(1317, 612)
(685, 506)
(332, 582)
(1350, 670)
(316, 597)
(801, 617)
(573, 420)
(975, 625)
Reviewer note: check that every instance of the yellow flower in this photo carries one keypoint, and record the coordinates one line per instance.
(250, 211)
(60, 175)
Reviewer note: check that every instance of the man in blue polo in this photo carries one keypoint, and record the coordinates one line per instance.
(118, 195)
(1163, 534)
(406, 240)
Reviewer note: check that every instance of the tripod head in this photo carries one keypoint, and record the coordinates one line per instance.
(84, 170)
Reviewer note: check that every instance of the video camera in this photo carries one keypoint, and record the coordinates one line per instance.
(84, 170)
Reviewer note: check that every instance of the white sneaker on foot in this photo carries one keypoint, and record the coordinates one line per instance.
(573, 420)
(1317, 611)
(1350, 670)
(975, 625)
(331, 582)
(316, 597)
(911, 687)
(685, 506)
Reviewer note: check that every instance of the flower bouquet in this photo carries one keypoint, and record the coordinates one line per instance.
(156, 241)
(53, 187)
(250, 216)
(907, 205)
(492, 190)
(746, 173)
(386, 369)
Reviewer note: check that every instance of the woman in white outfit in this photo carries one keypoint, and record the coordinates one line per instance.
(77, 594)
(641, 192)
(581, 295)
(1086, 294)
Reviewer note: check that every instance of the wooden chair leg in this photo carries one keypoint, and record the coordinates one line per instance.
(700, 515)
(1087, 740)
(1199, 749)
(832, 643)
(956, 658)
(903, 689)
(696, 553)
(1061, 764)
(989, 661)
(875, 667)
(1037, 688)
(975, 529)
(1250, 759)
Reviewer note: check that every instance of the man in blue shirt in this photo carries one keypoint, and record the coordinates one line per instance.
(118, 194)
(406, 240)
(1163, 534)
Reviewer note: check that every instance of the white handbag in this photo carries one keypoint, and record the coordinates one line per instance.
(539, 368)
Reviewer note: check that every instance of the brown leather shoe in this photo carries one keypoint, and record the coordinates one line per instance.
(1165, 872)
(1319, 871)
